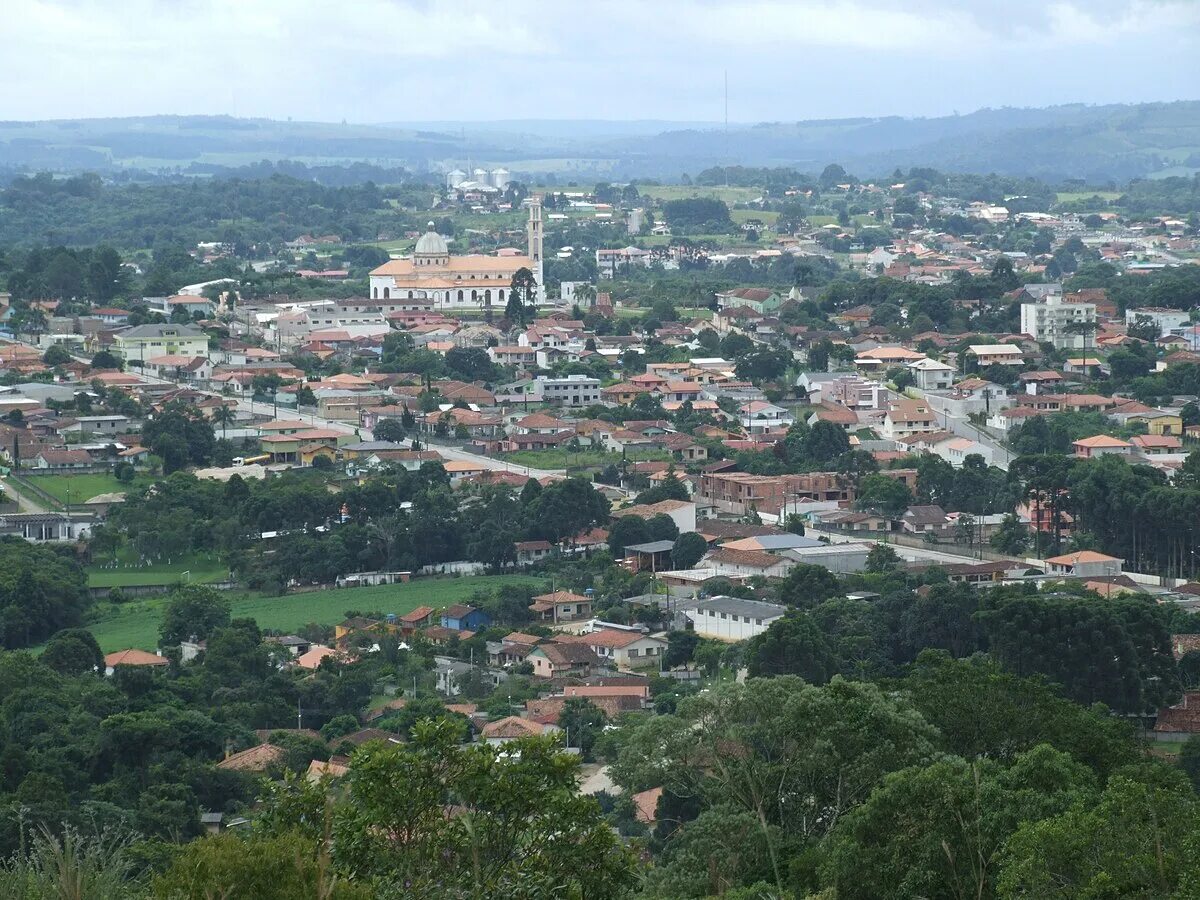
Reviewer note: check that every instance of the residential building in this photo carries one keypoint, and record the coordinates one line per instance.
(1165, 320)
(733, 619)
(572, 390)
(1101, 445)
(905, 417)
(555, 660)
(561, 606)
(144, 342)
(622, 648)
(996, 355)
(759, 417)
(930, 374)
(460, 617)
(761, 300)
(1085, 563)
(1052, 320)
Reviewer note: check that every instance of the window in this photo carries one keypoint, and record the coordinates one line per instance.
(723, 616)
(387, 293)
(632, 653)
(376, 293)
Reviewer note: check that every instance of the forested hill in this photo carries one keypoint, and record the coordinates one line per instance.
(1096, 143)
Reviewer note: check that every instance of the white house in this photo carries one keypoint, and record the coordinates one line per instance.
(733, 619)
(1165, 320)
(624, 649)
(930, 374)
(759, 416)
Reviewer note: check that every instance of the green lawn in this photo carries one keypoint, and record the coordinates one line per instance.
(85, 487)
(135, 624)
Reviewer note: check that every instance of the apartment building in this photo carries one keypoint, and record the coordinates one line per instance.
(1053, 320)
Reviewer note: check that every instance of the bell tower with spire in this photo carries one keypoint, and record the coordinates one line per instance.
(535, 244)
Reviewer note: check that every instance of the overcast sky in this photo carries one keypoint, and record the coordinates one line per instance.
(405, 60)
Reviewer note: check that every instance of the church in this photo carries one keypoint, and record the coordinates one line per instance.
(434, 279)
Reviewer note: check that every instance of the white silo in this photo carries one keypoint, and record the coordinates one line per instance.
(500, 178)
(455, 177)
(480, 176)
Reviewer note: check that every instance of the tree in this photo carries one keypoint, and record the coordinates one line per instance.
(106, 360)
(688, 550)
(389, 430)
(522, 297)
(193, 613)
(74, 651)
(792, 645)
(582, 723)
(1011, 537)
(627, 530)
(807, 585)
(825, 442)
(882, 560)
(889, 496)
(274, 867)
(391, 830)
(1138, 840)
(470, 364)
(56, 355)
(939, 831)
(223, 415)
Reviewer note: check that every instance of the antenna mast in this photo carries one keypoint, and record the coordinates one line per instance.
(726, 128)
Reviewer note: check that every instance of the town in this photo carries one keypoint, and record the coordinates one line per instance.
(571, 509)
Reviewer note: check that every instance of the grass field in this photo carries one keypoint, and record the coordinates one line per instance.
(565, 459)
(730, 195)
(1072, 196)
(86, 486)
(135, 624)
(202, 568)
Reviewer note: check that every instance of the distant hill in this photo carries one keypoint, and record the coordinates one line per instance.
(1096, 143)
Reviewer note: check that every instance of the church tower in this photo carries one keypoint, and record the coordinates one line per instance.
(535, 244)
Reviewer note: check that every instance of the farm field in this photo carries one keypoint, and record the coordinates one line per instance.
(135, 624)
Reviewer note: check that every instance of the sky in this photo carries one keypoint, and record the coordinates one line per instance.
(371, 61)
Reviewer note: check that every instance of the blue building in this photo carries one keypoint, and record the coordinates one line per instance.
(461, 617)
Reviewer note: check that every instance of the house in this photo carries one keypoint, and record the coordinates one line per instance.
(133, 657)
(760, 300)
(512, 728)
(1101, 445)
(726, 562)
(732, 618)
(1156, 444)
(561, 606)
(996, 355)
(62, 460)
(623, 648)
(931, 375)
(759, 416)
(557, 659)
(460, 617)
(681, 512)
(923, 520)
(1086, 563)
(905, 417)
(255, 759)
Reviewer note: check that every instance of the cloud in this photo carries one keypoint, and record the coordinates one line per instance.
(393, 60)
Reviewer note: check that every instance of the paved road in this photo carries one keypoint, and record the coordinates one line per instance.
(912, 554)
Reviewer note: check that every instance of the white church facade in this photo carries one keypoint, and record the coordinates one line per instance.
(432, 278)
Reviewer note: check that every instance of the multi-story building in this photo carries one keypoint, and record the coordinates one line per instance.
(1165, 320)
(573, 390)
(144, 342)
(1065, 325)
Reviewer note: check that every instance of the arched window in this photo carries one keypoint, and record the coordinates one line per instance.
(460, 296)
(487, 296)
(387, 293)
(376, 293)
(474, 296)
(501, 295)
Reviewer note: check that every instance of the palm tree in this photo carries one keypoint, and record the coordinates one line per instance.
(586, 294)
(223, 415)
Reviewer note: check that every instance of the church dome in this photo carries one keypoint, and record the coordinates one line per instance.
(432, 244)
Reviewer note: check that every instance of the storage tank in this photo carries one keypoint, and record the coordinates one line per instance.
(455, 177)
(500, 178)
